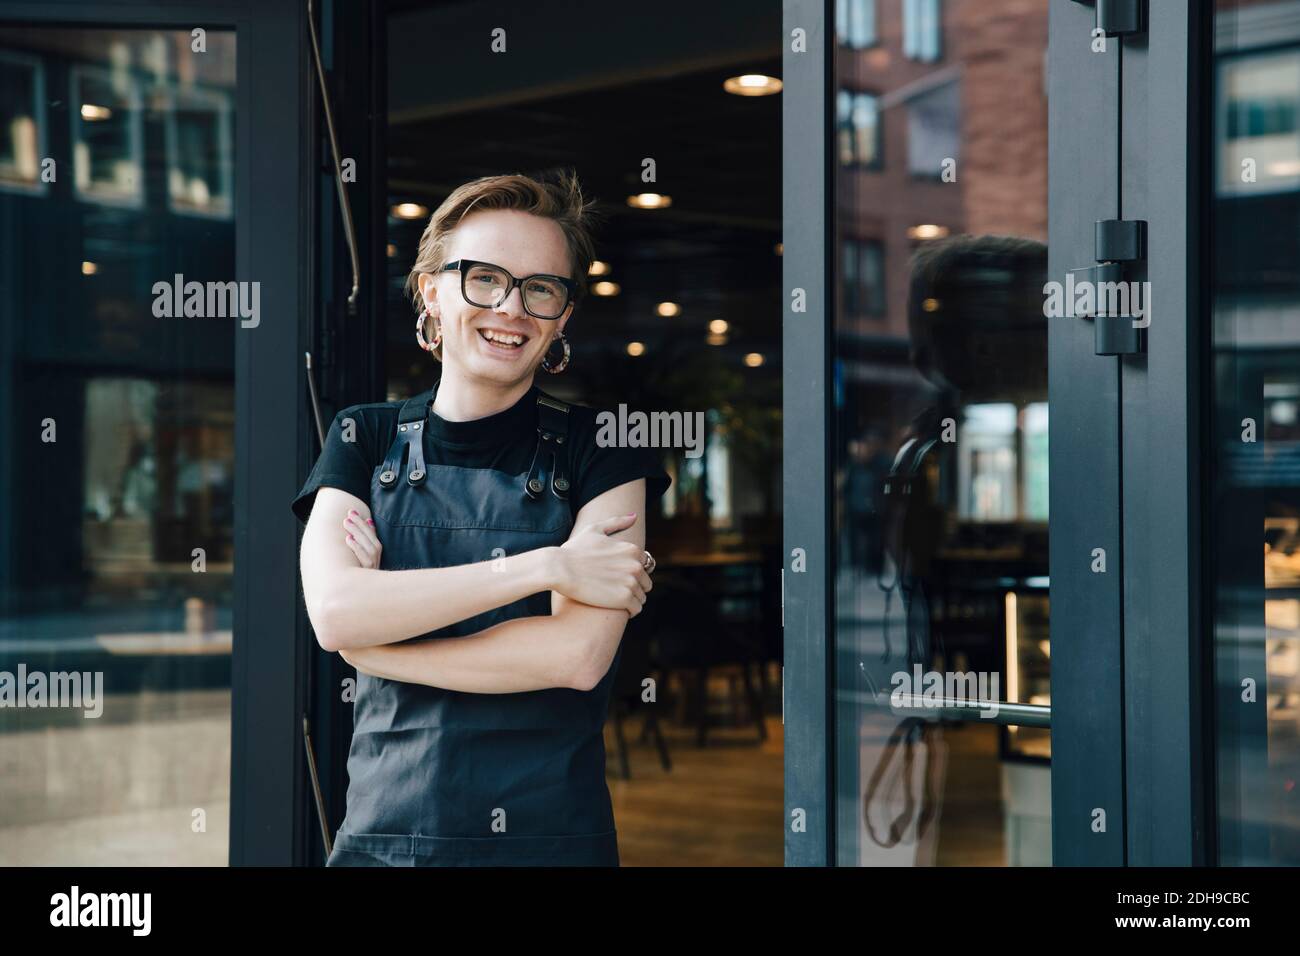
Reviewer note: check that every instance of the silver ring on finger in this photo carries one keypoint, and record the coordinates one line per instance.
(648, 562)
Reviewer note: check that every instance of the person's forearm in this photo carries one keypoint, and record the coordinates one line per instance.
(361, 607)
(522, 654)
(573, 647)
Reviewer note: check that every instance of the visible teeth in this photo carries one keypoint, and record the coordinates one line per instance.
(502, 337)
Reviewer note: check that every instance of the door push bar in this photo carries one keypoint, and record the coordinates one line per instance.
(1004, 712)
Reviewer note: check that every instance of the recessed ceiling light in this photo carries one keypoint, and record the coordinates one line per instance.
(649, 201)
(392, 251)
(598, 268)
(409, 210)
(635, 348)
(754, 359)
(605, 288)
(752, 84)
(89, 268)
(927, 231)
(718, 326)
(89, 111)
(668, 309)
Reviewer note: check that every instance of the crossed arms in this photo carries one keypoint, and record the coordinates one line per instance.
(596, 582)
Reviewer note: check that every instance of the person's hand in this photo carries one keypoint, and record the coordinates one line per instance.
(362, 539)
(603, 571)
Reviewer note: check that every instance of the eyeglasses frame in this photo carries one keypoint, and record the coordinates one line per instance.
(464, 265)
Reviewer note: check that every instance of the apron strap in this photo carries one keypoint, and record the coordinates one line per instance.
(410, 438)
(552, 430)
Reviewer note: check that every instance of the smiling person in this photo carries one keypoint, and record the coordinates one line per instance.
(476, 555)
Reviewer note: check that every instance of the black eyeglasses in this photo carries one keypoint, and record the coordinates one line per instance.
(487, 286)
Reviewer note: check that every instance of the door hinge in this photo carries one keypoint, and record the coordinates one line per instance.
(1117, 242)
(1120, 17)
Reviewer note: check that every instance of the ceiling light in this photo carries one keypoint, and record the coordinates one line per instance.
(718, 326)
(89, 268)
(715, 339)
(668, 309)
(605, 288)
(649, 201)
(598, 268)
(635, 348)
(89, 111)
(752, 84)
(927, 231)
(409, 210)
(754, 359)
(779, 249)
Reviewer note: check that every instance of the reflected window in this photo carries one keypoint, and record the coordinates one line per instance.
(199, 149)
(21, 96)
(1259, 107)
(106, 137)
(859, 129)
(986, 463)
(862, 277)
(921, 30)
(855, 23)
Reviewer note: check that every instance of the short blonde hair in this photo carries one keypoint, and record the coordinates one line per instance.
(559, 199)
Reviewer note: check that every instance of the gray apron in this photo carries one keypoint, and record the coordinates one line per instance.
(443, 778)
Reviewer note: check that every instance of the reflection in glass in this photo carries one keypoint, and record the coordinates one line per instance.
(199, 138)
(1254, 512)
(116, 450)
(941, 440)
(106, 135)
(20, 101)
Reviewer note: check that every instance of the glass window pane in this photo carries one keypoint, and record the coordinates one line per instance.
(1254, 507)
(116, 561)
(940, 444)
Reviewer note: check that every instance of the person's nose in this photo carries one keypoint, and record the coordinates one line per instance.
(513, 304)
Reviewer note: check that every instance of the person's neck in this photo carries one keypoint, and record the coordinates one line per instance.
(461, 399)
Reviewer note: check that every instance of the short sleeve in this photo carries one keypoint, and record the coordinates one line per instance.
(603, 468)
(344, 463)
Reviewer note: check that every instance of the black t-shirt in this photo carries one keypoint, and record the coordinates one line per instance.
(504, 441)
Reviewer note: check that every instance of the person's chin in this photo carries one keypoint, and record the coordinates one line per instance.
(492, 369)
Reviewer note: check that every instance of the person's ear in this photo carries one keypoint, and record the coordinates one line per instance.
(563, 320)
(428, 283)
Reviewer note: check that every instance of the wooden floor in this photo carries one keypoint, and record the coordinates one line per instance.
(721, 805)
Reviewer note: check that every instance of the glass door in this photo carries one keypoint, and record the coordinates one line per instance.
(153, 307)
(1254, 578)
(940, 408)
(992, 650)
(117, 181)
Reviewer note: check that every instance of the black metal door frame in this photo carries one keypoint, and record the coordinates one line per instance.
(1131, 779)
(273, 135)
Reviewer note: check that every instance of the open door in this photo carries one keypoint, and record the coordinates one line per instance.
(959, 675)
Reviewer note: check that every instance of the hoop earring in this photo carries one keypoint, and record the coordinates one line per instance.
(419, 332)
(564, 362)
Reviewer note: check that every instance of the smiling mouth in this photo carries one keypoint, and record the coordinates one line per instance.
(507, 341)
